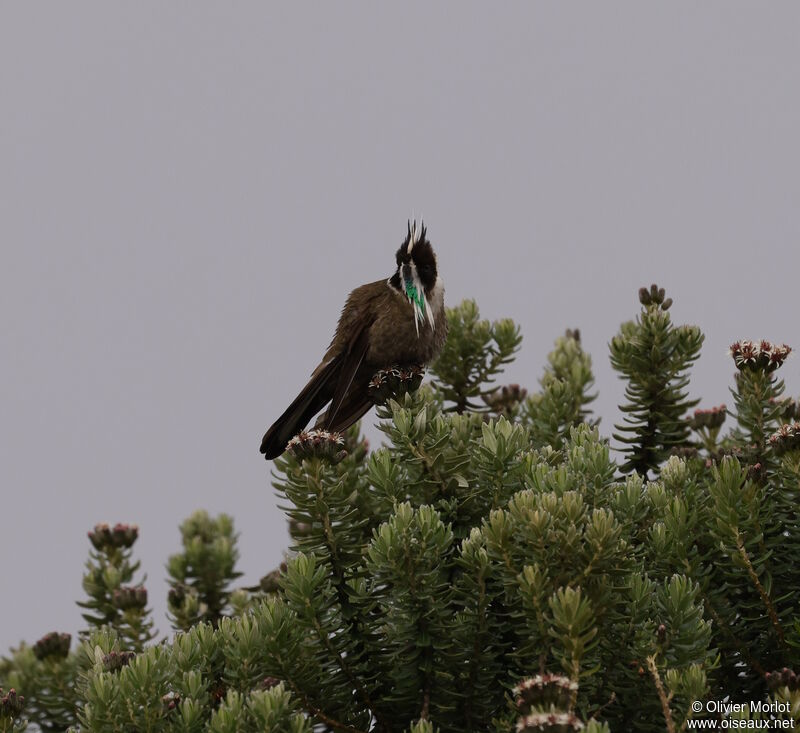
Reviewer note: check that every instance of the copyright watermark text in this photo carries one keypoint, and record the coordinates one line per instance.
(754, 707)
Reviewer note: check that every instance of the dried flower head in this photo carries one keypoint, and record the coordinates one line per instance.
(52, 646)
(786, 438)
(317, 444)
(394, 382)
(552, 722)
(759, 356)
(544, 690)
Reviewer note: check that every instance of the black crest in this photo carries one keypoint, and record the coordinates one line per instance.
(417, 248)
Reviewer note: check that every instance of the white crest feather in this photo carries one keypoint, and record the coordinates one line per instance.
(416, 234)
(429, 314)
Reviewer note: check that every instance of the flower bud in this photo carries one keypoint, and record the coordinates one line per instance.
(394, 382)
(755, 472)
(11, 704)
(129, 597)
(654, 295)
(270, 583)
(504, 399)
(170, 701)
(115, 661)
(176, 594)
(105, 538)
(783, 678)
(684, 451)
(52, 645)
(298, 528)
(710, 419)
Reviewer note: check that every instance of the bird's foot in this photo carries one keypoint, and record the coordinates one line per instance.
(317, 444)
(395, 381)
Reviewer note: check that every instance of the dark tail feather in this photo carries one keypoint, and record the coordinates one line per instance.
(308, 403)
(347, 414)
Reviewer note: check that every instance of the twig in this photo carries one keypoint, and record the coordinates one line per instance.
(662, 695)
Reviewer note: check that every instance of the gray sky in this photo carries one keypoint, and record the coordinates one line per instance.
(189, 191)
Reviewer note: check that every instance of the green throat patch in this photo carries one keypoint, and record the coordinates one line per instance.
(415, 297)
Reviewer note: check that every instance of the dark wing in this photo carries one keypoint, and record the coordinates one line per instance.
(331, 381)
(352, 360)
(351, 409)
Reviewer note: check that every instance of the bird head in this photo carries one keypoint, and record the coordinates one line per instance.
(416, 273)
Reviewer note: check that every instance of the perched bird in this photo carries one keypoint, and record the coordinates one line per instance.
(399, 321)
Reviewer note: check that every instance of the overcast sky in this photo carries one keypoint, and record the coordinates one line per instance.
(188, 192)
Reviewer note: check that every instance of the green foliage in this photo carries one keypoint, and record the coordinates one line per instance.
(489, 568)
(204, 680)
(201, 574)
(112, 600)
(654, 357)
(757, 394)
(561, 404)
(442, 629)
(46, 672)
(473, 356)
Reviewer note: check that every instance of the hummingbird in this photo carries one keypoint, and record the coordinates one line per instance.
(397, 321)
